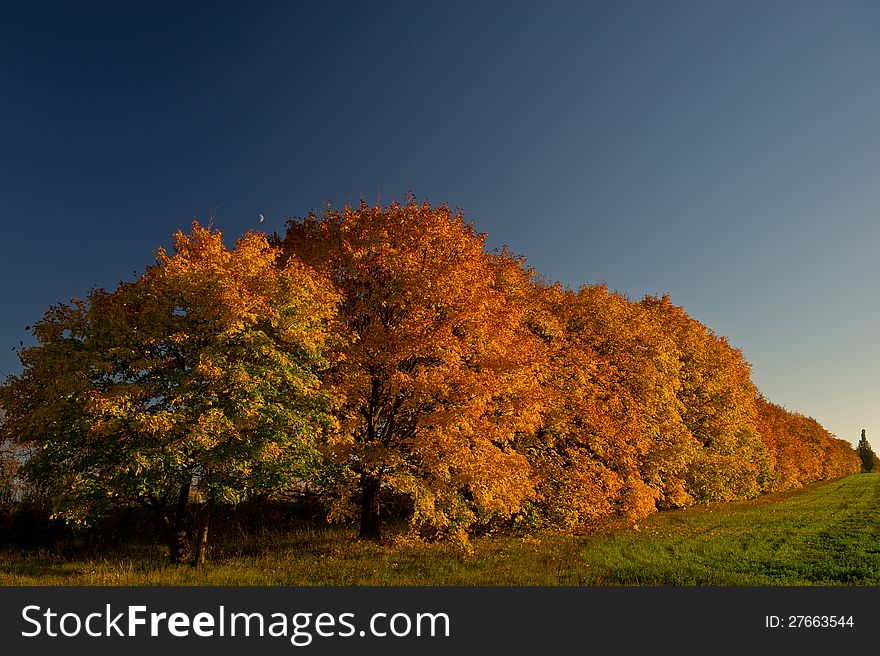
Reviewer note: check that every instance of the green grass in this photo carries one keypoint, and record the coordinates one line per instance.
(825, 534)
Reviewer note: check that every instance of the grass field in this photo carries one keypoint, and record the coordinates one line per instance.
(825, 534)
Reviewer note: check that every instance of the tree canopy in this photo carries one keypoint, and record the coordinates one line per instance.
(202, 374)
(436, 368)
(375, 351)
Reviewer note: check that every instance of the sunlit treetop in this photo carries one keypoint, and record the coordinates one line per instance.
(438, 369)
(203, 371)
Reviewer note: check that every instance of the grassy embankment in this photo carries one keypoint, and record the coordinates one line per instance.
(825, 534)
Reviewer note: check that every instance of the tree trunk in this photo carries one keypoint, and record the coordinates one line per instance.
(202, 547)
(159, 510)
(177, 535)
(370, 484)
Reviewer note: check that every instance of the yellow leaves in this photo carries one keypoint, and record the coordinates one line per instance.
(449, 353)
(116, 402)
(158, 423)
(239, 287)
(800, 449)
(435, 360)
(454, 375)
(205, 365)
(638, 500)
(211, 429)
(210, 369)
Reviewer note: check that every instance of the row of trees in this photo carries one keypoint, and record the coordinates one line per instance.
(380, 349)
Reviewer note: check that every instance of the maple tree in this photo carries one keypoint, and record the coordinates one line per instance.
(793, 443)
(643, 364)
(717, 405)
(436, 368)
(801, 449)
(840, 458)
(198, 378)
(588, 449)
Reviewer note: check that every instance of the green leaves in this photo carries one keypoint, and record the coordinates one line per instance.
(866, 454)
(382, 348)
(204, 369)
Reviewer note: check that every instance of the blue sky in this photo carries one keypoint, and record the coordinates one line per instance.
(725, 153)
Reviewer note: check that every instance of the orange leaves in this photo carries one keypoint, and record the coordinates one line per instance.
(646, 408)
(388, 339)
(436, 367)
(476, 387)
(717, 407)
(237, 286)
(188, 375)
(801, 450)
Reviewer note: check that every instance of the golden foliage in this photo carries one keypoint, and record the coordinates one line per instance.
(801, 450)
(437, 372)
(201, 372)
(423, 365)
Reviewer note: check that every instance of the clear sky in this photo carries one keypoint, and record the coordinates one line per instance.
(725, 153)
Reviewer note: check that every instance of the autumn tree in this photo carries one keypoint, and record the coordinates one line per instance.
(717, 405)
(866, 453)
(774, 424)
(198, 378)
(610, 436)
(437, 370)
(840, 458)
(801, 450)
(643, 374)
